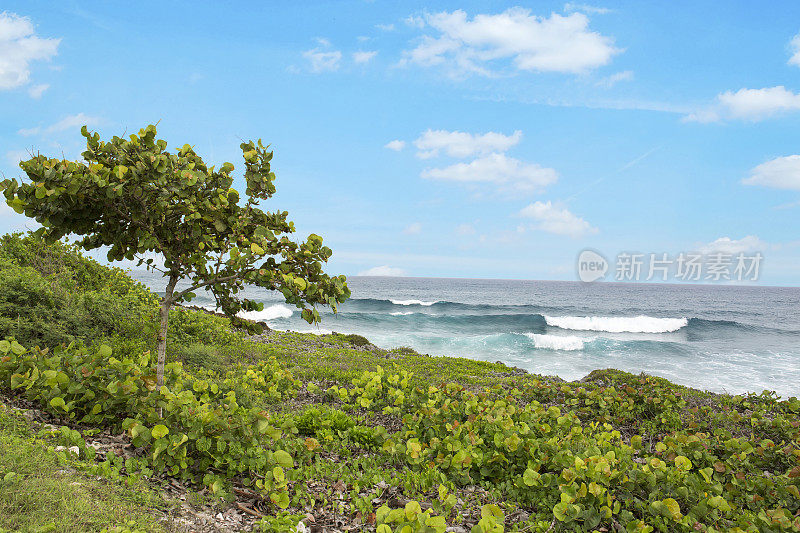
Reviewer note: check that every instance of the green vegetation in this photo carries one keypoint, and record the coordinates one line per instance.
(135, 197)
(42, 490)
(304, 427)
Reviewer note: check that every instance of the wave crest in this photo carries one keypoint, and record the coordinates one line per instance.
(270, 313)
(413, 302)
(556, 342)
(617, 324)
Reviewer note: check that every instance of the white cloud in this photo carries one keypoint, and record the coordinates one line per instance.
(19, 47)
(748, 104)
(415, 21)
(755, 104)
(507, 173)
(461, 144)
(571, 6)
(703, 116)
(383, 270)
(726, 245)
(555, 44)
(413, 229)
(66, 123)
(610, 81)
(552, 219)
(778, 173)
(794, 47)
(37, 91)
(395, 145)
(321, 60)
(385, 27)
(465, 229)
(788, 205)
(364, 57)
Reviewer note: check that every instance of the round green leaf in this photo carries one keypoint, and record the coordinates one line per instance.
(159, 431)
(283, 459)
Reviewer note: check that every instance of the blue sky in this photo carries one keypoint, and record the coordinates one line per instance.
(455, 139)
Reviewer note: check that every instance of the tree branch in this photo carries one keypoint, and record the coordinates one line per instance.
(214, 281)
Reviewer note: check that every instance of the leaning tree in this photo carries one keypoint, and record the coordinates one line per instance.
(136, 198)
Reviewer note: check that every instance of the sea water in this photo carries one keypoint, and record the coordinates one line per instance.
(720, 338)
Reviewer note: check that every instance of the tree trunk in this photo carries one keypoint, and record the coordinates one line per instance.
(166, 303)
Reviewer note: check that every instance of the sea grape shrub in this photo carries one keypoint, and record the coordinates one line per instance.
(578, 465)
(410, 518)
(315, 420)
(378, 389)
(205, 435)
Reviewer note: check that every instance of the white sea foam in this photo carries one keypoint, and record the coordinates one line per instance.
(402, 313)
(556, 342)
(315, 331)
(269, 313)
(413, 302)
(614, 324)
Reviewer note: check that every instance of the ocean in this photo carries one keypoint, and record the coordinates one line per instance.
(720, 338)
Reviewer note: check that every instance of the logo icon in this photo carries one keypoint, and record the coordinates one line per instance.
(591, 266)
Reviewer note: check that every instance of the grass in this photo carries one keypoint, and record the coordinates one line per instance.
(40, 493)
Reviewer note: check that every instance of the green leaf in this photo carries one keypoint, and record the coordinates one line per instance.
(413, 509)
(57, 402)
(281, 499)
(529, 477)
(159, 431)
(283, 459)
(17, 205)
(683, 463)
(559, 511)
(673, 510)
(104, 351)
(265, 233)
(491, 510)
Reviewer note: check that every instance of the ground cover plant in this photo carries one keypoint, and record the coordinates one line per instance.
(332, 432)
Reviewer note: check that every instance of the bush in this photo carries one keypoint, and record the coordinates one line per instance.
(205, 435)
(198, 356)
(51, 295)
(357, 340)
(314, 420)
(405, 350)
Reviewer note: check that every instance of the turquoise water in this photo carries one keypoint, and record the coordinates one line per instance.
(720, 338)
